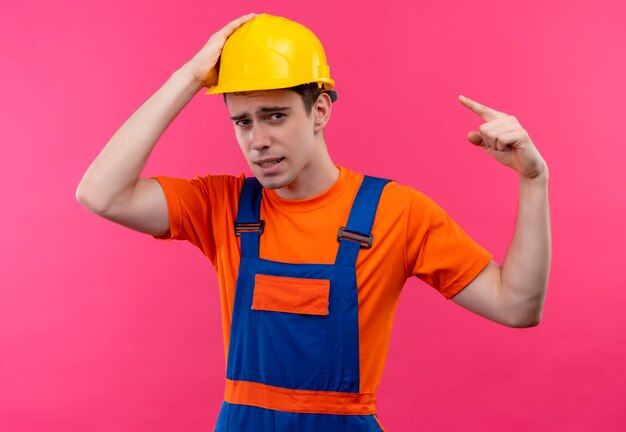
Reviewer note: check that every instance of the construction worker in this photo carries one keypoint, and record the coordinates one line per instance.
(311, 257)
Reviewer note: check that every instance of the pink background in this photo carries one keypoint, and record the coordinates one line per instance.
(105, 329)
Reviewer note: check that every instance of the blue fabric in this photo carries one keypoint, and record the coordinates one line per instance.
(297, 351)
(238, 418)
(287, 349)
(361, 217)
(248, 212)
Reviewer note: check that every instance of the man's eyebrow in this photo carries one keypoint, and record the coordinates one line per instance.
(239, 117)
(261, 110)
(274, 108)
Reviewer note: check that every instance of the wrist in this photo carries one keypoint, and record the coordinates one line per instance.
(540, 178)
(187, 77)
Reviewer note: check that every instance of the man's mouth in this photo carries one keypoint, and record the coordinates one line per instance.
(268, 163)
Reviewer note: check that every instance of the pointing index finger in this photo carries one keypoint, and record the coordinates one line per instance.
(483, 111)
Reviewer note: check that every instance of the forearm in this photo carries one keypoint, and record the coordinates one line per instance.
(526, 267)
(115, 172)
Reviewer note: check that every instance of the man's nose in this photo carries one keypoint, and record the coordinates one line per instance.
(260, 139)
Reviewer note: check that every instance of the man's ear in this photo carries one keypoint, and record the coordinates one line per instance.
(321, 111)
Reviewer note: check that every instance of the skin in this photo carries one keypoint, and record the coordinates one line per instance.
(512, 294)
(111, 187)
(274, 126)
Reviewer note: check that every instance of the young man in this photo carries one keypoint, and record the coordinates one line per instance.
(311, 257)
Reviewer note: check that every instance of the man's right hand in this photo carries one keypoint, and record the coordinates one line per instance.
(203, 65)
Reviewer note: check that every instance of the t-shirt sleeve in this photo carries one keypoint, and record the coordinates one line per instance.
(440, 253)
(198, 207)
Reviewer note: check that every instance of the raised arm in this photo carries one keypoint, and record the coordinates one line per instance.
(111, 187)
(514, 294)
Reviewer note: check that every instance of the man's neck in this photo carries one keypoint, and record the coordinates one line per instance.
(311, 182)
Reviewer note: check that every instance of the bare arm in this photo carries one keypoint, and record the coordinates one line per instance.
(514, 294)
(111, 187)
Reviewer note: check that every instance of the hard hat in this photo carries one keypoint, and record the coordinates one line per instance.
(271, 52)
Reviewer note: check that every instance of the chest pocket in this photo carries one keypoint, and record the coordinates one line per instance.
(290, 318)
(291, 295)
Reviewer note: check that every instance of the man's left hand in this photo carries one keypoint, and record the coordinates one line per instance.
(504, 138)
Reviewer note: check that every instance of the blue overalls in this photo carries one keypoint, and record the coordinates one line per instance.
(293, 365)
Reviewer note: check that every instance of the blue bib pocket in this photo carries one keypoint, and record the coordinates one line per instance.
(290, 321)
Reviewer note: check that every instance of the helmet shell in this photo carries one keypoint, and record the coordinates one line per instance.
(271, 52)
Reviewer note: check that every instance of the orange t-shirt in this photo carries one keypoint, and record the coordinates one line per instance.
(413, 236)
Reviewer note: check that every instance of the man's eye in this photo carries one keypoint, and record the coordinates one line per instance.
(243, 123)
(276, 116)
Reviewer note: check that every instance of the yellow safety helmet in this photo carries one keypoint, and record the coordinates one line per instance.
(271, 52)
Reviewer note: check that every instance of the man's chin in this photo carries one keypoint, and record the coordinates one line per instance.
(270, 183)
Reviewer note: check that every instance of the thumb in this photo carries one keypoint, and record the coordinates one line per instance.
(474, 138)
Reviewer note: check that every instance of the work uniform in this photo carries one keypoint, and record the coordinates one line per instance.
(294, 342)
(292, 364)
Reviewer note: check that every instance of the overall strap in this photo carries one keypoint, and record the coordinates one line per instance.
(248, 224)
(357, 233)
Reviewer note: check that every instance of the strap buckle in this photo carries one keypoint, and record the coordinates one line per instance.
(249, 227)
(364, 240)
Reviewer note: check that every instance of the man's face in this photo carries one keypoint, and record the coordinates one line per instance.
(278, 139)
